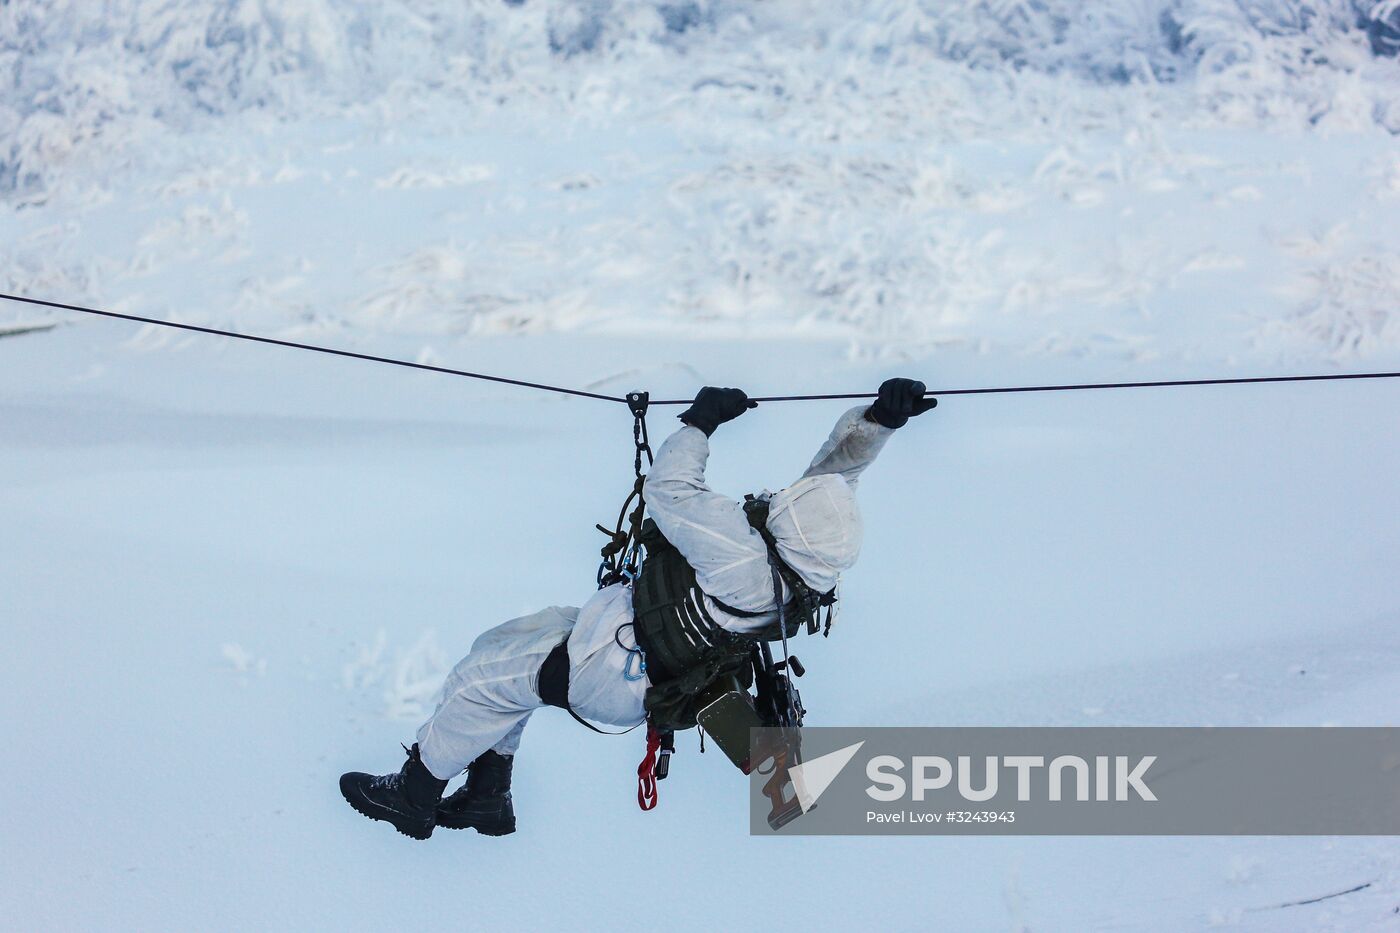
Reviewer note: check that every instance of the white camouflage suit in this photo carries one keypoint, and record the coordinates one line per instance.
(490, 694)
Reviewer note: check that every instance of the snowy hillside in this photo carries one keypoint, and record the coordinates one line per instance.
(232, 572)
(1198, 178)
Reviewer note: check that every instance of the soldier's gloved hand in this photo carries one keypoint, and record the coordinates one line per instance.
(900, 400)
(713, 407)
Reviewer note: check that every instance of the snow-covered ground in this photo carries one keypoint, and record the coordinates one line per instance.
(232, 572)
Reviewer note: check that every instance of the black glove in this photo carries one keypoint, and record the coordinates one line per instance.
(900, 400)
(713, 407)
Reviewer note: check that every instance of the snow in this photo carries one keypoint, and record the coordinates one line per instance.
(231, 572)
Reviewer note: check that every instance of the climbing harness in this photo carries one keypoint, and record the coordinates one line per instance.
(691, 662)
(621, 563)
(700, 673)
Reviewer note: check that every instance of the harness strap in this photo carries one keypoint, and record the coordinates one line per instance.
(792, 715)
(804, 599)
(742, 613)
(552, 686)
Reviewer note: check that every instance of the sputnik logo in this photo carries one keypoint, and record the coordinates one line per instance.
(811, 778)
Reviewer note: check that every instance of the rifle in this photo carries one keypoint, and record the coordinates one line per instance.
(779, 705)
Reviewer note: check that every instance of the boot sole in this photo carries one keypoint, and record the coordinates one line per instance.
(505, 830)
(378, 814)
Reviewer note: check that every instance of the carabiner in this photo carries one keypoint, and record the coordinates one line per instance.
(641, 659)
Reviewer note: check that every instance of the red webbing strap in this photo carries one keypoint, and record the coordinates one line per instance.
(646, 771)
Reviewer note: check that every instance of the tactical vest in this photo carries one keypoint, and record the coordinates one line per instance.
(686, 650)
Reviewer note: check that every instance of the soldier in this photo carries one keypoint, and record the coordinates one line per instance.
(611, 664)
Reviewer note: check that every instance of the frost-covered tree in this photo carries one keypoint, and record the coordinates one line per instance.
(87, 79)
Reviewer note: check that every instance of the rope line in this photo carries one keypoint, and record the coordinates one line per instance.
(308, 346)
(1002, 390)
(994, 390)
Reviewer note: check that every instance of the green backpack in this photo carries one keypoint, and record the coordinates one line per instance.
(690, 659)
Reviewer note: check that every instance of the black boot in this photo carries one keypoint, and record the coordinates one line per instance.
(483, 803)
(408, 799)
